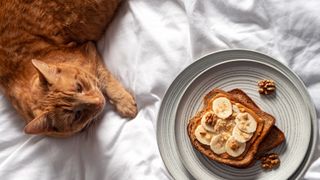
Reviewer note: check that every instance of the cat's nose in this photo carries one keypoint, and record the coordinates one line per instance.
(94, 102)
(100, 102)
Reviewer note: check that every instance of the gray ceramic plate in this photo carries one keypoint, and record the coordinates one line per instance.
(291, 105)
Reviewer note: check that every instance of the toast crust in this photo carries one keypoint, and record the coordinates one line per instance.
(265, 123)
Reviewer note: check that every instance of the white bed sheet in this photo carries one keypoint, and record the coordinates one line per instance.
(146, 46)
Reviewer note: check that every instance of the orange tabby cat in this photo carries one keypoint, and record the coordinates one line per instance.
(50, 69)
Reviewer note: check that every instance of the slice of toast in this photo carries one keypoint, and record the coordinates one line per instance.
(274, 138)
(265, 124)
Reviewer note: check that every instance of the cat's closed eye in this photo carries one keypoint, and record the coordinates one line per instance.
(79, 88)
(77, 115)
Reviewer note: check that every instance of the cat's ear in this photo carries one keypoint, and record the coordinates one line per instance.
(39, 125)
(47, 73)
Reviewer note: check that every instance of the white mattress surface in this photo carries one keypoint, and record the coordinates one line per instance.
(146, 46)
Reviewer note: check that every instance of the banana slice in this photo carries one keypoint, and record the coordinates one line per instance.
(208, 121)
(202, 135)
(229, 126)
(220, 126)
(241, 136)
(246, 123)
(235, 109)
(218, 142)
(222, 107)
(234, 148)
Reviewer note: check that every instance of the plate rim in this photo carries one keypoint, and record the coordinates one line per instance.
(314, 124)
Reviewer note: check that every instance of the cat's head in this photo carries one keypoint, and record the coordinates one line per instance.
(69, 99)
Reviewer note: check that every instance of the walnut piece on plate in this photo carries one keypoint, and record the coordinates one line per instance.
(270, 161)
(266, 86)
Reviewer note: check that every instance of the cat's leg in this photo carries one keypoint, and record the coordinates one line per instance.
(123, 101)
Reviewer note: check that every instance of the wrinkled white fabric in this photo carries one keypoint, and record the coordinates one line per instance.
(146, 46)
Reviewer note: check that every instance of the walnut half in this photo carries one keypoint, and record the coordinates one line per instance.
(211, 119)
(270, 161)
(266, 86)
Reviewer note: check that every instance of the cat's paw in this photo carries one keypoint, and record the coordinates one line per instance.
(127, 106)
